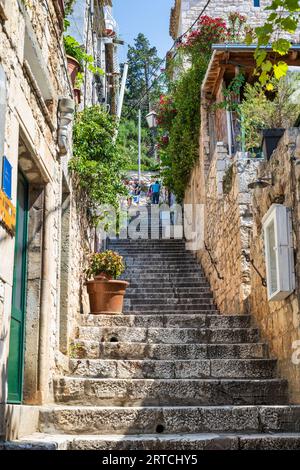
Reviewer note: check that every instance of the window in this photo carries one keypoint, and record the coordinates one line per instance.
(256, 3)
(279, 252)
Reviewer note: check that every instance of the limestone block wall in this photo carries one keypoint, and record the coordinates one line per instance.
(190, 10)
(228, 223)
(279, 321)
(33, 61)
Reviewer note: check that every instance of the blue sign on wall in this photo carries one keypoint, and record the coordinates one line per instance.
(6, 177)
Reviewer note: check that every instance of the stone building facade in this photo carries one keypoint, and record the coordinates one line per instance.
(185, 12)
(92, 24)
(40, 260)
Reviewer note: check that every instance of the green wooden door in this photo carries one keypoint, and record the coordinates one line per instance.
(16, 345)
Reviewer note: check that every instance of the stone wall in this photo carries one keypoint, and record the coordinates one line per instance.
(279, 321)
(228, 222)
(233, 235)
(33, 61)
(190, 10)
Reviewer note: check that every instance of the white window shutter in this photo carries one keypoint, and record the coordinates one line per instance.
(279, 252)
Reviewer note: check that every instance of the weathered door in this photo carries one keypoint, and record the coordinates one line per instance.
(16, 347)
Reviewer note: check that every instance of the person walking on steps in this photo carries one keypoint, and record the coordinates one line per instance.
(155, 191)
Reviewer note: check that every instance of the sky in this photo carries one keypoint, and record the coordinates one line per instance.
(151, 17)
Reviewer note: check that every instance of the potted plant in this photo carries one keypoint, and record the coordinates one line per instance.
(106, 294)
(77, 59)
(265, 116)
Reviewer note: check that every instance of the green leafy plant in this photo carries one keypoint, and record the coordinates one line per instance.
(283, 19)
(260, 110)
(75, 50)
(69, 5)
(107, 262)
(231, 93)
(96, 162)
(79, 80)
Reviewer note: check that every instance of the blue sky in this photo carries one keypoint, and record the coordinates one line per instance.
(150, 17)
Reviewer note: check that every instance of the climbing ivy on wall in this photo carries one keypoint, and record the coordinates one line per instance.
(179, 113)
(180, 154)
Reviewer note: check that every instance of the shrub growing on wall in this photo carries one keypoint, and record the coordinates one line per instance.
(96, 161)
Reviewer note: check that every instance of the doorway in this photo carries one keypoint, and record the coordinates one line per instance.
(17, 326)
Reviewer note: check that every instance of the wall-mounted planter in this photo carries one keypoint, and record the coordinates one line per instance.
(73, 68)
(270, 140)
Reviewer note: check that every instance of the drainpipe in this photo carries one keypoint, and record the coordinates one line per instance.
(43, 356)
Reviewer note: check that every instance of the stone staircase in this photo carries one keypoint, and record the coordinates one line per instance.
(171, 373)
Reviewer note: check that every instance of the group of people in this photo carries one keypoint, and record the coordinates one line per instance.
(152, 192)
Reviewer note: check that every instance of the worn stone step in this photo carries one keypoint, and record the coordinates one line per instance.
(112, 350)
(190, 310)
(146, 420)
(173, 369)
(157, 442)
(188, 307)
(173, 320)
(168, 290)
(171, 284)
(170, 278)
(132, 298)
(160, 270)
(168, 300)
(137, 392)
(162, 257)
(169, 335)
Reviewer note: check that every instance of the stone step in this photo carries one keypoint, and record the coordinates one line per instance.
(191, 310)
(161, 272)
(165, 257)
(146, 420)
(169, 308)
(167, 298)
(169, 335)
(173, 369)
(112, 350)
(171, 284)
(157, 442)
(170, 278)
(188, 299)
(137, 392)
(173, 320)
(168, 290)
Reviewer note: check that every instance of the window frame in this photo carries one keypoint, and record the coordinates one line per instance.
(280, 216)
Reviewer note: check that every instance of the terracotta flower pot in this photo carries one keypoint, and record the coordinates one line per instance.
(106, 296)
(73, 68)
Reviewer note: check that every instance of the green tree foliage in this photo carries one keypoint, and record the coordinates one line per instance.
(283, 18)
(127, 144)
(96, 162)
(142, 62)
